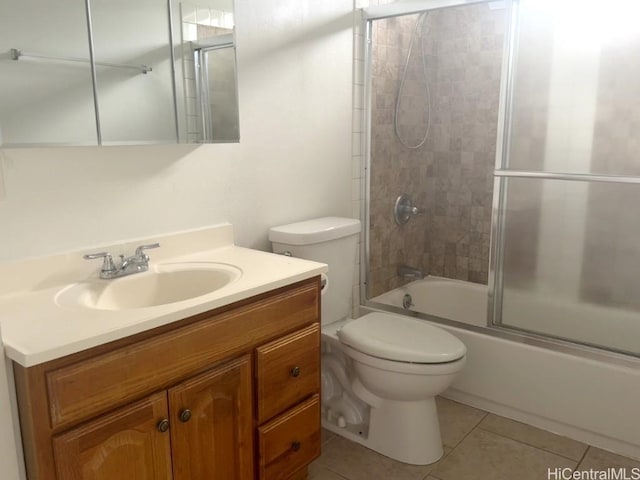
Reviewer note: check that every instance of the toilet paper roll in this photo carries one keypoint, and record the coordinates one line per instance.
(324, 283)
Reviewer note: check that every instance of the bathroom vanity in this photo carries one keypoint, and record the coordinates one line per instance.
(224, 386)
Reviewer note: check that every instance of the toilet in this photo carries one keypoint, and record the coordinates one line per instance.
(380, 372)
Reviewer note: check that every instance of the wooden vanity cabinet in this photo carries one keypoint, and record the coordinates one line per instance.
(201, 428)
(230, 394)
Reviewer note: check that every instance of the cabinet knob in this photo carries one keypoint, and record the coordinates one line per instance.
(163, 425)
(295, 446)
(185, 415)
(295, 371)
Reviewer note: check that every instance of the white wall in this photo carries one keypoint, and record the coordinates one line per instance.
(293, 160)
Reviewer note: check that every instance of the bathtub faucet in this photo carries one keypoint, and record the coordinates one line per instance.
(409, 272)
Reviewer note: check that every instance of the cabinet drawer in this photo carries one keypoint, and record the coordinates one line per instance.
(90, 387)
(291, 441)
(287, 370)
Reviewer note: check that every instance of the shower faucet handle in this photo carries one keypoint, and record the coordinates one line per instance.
(404, 209)
(412, 210)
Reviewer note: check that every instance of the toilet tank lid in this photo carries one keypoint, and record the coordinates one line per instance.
(401, 339)
(314, 231)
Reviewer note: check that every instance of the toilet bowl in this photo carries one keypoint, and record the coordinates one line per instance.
(380, 372)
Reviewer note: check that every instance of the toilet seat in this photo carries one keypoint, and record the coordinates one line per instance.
(401, 339)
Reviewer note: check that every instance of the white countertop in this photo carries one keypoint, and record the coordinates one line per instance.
(36, 329)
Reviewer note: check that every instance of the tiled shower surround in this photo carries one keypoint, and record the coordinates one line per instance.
(450, 177)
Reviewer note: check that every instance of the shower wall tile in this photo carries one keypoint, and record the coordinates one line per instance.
(450, 177)
(358, 141)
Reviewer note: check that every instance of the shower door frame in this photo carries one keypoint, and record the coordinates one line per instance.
(368, 16)
(494, 300)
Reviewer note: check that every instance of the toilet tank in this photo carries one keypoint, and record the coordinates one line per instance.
(330, 240)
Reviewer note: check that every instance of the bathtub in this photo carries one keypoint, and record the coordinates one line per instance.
(455, 300)
(585, 394)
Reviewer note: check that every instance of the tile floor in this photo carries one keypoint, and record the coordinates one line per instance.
(478, 446)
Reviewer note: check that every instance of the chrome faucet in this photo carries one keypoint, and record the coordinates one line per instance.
(409, 272)
(136, 263)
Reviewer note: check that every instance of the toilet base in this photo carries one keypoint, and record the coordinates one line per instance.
(407, 432)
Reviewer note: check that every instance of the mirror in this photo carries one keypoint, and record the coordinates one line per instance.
(46, 94)
(209, 68)
(135, 98)
(137, 90)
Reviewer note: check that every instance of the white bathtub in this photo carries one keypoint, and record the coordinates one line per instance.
(591, 398)
(464, 302)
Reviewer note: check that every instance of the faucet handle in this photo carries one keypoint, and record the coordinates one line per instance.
(140, 250)
(413, 210)
(107, 265)
(404, 209)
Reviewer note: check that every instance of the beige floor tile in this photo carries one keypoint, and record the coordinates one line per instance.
(534, 436)
(484, 455)
(599, 459)
(327, 435)
(456, 420)
(318, 472)
(355, 462)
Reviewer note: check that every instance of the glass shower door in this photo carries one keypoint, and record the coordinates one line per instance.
(568, 233)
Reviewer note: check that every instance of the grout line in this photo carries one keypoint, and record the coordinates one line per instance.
(472, 429)
(583, 456)
(328, 468)
(336, 473)
(329, 440)
(432, 475)
(534, 446)
(445, 456)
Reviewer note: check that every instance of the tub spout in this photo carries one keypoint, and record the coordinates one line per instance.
(410, 272)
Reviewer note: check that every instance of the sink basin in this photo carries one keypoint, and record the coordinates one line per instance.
(163, 284)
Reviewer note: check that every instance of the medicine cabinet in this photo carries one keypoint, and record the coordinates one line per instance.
(116, 72)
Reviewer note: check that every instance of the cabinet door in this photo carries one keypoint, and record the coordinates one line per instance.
(127, 444)
(211, 424)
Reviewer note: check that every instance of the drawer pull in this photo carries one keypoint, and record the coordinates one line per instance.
(295, 372)
(295, 446)
(163, 425)
(185, 415)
